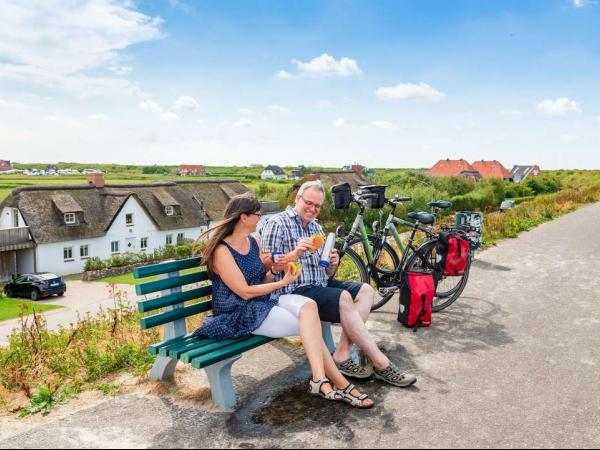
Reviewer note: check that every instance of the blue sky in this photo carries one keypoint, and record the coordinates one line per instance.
(386, 83)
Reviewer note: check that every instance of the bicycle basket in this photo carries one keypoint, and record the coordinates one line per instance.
(342, 195)
(379, 201)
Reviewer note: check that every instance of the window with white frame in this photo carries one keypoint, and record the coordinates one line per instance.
(144, 243)
(169, 210)
(180, 237)
(84, 251)
(68, 253)
(129, 219)
(169, 240)
(114, 247)
(70, 218)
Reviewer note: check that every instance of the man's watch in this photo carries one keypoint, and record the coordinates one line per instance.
(273, 273)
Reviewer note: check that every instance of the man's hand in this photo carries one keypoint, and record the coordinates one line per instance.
(304, 245)
(334, 259)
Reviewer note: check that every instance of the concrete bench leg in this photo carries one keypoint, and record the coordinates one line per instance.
(163, 369)
(221, 384)
(327, 336)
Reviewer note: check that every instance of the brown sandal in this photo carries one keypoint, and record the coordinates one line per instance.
(315, 389)
(353, 400)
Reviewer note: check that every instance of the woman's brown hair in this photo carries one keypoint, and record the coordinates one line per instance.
(240, 204)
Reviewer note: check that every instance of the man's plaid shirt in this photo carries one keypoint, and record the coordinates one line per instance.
(281, 234)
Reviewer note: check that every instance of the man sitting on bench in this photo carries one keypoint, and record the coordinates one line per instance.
(348, 303)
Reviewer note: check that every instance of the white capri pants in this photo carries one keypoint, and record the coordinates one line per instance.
(283, 319)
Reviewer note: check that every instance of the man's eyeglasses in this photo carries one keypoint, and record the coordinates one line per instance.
(317, 206)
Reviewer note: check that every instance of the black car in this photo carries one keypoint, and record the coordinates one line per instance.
(35, 285)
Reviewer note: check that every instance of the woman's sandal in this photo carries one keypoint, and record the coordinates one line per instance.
(315, 389)
(353, 400)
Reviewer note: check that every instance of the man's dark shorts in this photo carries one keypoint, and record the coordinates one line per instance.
(328, 298)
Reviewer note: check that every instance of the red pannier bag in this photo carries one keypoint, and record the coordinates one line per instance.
(416, 295)
(452, 254)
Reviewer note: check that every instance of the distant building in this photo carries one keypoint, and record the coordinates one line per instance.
(273, 173)
(519, 173)
(492, 169)
(454, 168)
(188, 169)
(5, 165)
(332, 178)
(298, 172)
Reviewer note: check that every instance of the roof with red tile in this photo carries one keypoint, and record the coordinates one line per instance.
(190, 167)
(451, 168)
(492, 169)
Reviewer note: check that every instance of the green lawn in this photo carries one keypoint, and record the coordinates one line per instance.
(10, 308)
(127, 278)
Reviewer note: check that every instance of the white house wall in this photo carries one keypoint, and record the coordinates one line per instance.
(7, 220)
(50, 256)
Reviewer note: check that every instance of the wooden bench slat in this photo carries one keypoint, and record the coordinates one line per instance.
(170, 316)
(155, 347)
(166, 267)
(187, 357)
(229, 351)
(173, 299)
(164, 350)
(168, 283)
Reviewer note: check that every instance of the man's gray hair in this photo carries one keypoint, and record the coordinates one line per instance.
(315, 184)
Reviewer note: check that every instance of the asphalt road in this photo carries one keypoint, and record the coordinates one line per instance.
(514, 363)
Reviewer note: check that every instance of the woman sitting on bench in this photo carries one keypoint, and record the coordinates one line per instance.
(242, 302)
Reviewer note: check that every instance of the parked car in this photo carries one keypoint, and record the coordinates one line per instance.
(506, 205)
(35, 285)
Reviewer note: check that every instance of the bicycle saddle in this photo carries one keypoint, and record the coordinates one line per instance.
(442, 204)
(423, 217)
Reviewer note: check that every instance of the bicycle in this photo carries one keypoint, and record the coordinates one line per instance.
(381, 266)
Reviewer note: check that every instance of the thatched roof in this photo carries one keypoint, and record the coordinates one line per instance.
(66, 204)
(43, 207)
(333, 178)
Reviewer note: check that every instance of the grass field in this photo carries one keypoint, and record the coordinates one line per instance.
(10, 308)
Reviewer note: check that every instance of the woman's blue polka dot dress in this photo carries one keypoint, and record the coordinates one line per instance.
(233, 316)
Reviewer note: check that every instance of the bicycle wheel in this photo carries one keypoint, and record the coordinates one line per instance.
(351, 268)
(448, 288)
(384, 279)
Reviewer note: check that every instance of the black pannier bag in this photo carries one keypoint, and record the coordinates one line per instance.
(379, 201)
(342, 195)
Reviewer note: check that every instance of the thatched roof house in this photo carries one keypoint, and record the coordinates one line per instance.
(333, 178)
(169, 205)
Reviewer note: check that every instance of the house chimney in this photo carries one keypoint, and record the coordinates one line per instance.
(357, 169)
(96, 179)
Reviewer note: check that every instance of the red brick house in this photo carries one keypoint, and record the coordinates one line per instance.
(454, 168)
(492, 169)
(5, 165)
(189, 169)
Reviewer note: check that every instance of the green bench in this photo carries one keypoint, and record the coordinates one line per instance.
(214, 356)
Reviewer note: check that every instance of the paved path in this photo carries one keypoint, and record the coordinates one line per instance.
(81, 298)
(515, 363)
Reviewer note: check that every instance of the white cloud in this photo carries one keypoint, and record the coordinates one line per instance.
(150, 105)
(282, 74)
(10, 104)
(99, 116)
(582, 3)
(169, 116)
(408, 91)
(339, 123)
(121, 70)
(246, 111)
(57, 43)
(384, 125)
(327, 66)
(243, 123)
(278, 109)
(324, 104)
(559, 107)
(186, 102)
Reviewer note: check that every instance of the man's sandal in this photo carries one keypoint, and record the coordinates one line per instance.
(350, 369)
(353, 400)
(315, 389)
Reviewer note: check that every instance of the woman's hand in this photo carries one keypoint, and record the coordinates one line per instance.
(289, 278)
